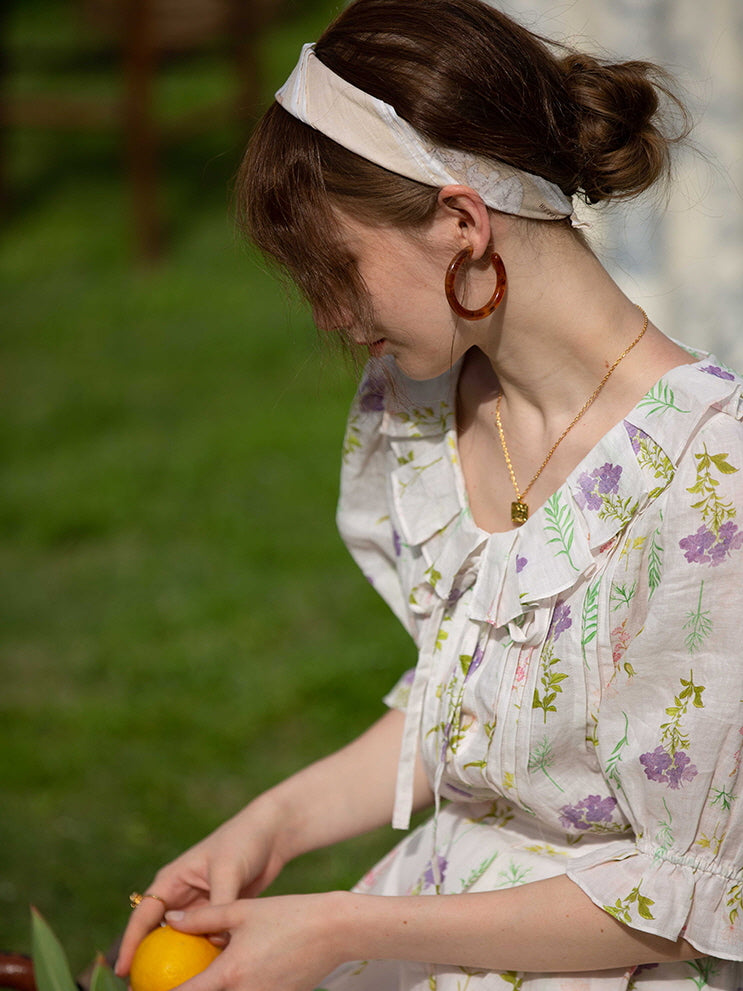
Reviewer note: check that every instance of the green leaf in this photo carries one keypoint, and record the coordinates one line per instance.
(104, 979)
(643, 907)
(50, 963)
(724, 466)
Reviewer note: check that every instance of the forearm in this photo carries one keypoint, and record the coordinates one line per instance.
(544, 927)
(345, 794)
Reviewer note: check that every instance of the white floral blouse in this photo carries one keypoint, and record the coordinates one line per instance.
(578, 696)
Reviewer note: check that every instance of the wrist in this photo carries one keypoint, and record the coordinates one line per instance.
(277, 815)
(339, 927)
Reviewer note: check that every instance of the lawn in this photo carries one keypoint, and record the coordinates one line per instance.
(181, 625)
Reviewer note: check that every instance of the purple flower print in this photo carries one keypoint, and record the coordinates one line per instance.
(587, 498)
(396, 542)
(602, 481)
(560, 621)
(669, 770)
(445, 742)
(635, 435)
(521, 563)
(454, 596)
(475, 662)
(608, 478)
(371, 394)
(429, 880)
(720, 373)
(589, 811)
(706, 547)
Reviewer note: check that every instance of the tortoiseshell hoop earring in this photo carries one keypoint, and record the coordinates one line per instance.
(492, 304)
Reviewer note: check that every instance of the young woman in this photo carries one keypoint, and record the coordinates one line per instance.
(545, 489)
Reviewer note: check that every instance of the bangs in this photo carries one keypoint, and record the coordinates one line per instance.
(290, 184)
(284, 206)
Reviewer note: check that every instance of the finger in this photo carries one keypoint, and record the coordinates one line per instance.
(212, 919)
(145, 917)
(224, 885)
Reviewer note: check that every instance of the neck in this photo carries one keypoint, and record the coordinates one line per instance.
(563, 324)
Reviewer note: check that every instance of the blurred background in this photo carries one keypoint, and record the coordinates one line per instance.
(180, 623)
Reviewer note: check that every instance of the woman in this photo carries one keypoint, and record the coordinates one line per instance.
(545, 489)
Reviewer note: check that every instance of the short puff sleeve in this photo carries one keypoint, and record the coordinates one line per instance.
(670, 728)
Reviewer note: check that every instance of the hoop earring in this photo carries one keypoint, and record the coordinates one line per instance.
(492, 304)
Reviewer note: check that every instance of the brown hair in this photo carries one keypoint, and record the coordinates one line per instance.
(467, 77)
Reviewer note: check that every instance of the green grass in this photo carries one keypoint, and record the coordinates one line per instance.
(181, 625)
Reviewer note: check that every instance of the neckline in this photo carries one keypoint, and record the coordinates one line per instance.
(591, 456)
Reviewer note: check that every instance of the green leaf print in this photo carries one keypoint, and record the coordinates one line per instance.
(622, 595)
(499, 814)
(724, 797)
(615, 757)
(477, 873)
(671, 731)
(659, 399)
(713, 842)
(352, 439)
(714, 510)
(550, 682)
(417, 416)
(635, 903)
(664, 836)
(613, 507)
(655, 563)
(469, 973)
(590, 616)
(560, 523)
(541, 758)
(703, 971)
(653, 458)
(513, 978)
(513, 875)
(432, 575)
(698, 623)
(734, 901)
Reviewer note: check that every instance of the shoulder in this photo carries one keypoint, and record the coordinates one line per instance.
(689, 408)
(695, 415)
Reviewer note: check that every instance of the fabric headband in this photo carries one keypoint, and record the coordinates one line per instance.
(372, 129)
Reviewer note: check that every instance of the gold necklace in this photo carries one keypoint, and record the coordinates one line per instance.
(520, 509)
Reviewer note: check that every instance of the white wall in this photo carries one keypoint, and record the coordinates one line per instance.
(682, 261)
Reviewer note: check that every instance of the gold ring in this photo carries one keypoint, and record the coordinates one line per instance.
(135, 898)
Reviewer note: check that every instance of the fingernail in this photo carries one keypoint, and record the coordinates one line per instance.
(175, 916)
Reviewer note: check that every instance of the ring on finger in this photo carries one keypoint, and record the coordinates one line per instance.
(136, 899)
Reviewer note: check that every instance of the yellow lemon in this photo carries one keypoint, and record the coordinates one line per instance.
(166, 958)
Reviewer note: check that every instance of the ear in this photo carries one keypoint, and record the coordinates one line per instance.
(461, 208)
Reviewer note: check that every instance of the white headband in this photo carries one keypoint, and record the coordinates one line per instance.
(372, 129)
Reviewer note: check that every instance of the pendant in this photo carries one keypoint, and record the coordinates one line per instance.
(519, 512)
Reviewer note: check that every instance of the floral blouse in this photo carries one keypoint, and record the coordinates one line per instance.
(578, 695)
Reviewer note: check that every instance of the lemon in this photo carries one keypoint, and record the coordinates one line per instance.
(166, 958)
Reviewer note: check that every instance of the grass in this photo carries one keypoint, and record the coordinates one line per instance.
(181, 625)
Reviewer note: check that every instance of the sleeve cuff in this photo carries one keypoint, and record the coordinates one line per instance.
(669, 895)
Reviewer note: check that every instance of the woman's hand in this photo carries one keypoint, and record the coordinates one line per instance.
(347, 793)
(239, 859)
(286, 943)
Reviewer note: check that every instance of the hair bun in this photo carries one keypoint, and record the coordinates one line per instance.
(624, 125)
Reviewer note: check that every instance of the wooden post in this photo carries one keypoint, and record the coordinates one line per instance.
(139, 58)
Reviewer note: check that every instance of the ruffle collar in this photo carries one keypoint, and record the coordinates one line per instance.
(514, 570)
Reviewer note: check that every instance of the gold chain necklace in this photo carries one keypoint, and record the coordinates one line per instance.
(520, 509)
